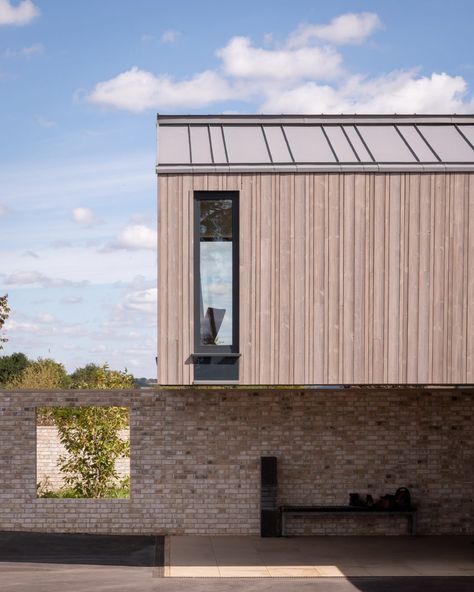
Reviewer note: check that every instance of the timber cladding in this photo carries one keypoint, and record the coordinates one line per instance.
(195, 459)
(364, 278)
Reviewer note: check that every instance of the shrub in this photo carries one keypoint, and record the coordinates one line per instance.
(11, 367)
(41, 374)
(101, 377)
(91, 437)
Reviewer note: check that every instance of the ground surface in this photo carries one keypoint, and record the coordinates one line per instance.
(83, 563)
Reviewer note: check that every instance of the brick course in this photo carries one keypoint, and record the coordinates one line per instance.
(195, 459)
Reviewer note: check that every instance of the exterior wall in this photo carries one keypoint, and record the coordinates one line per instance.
(195, 459)
(344, 278)
(49, 449)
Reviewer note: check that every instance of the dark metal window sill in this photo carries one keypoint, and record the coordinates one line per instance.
(216, 355)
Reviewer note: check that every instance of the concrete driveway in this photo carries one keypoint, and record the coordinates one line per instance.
(32, 562)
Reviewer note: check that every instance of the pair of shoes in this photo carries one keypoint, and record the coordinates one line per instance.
(357, 501)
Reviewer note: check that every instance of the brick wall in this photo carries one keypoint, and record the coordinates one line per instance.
(195, 459)
(49, 449)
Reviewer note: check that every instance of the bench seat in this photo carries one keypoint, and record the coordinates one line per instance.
(409, 512)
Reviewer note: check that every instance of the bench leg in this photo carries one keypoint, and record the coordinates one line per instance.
(412, 524)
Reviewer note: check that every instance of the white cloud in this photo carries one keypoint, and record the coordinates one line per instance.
(142, 301)
(398, 92)
(137, 90)
(241, 60)
(4, 210)
(44, 122)
(71, 300)
(85, 216)
(305, 74)
(35, 278)
(135, 236)
(22, 14)
(170, 36)
(30, 254)
(46, 318)
(147, 38)
(346, 29)
(24, 52)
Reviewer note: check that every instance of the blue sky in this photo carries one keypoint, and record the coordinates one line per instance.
(80, 86)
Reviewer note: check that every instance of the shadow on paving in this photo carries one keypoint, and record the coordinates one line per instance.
(83, 549)
(411, 584)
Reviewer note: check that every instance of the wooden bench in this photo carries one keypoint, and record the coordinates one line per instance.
(286, 511)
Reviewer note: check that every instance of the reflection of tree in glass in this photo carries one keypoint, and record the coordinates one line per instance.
(216, 220)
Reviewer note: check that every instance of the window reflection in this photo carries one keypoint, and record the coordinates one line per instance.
(215, 236)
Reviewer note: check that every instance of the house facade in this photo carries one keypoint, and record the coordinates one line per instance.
(316, 250)
(316, 305)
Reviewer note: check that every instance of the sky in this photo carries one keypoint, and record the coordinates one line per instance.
(80, 86)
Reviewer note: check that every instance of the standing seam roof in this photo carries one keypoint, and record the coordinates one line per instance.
(305, 143)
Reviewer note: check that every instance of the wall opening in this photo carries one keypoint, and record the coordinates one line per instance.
(83, 452)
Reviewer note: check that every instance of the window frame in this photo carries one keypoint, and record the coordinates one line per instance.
(216, 351)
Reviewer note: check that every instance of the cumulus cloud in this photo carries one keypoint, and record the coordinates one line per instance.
(24, 52)
(46, 318)
(142, 301)
(45, 122)
(398, 92)
(241, 60)
(71, 300)
(137, 90)
(346, 29)
(21, 14)
(35, 278)
(31, 254)
(304, 74)
(135, 236)
(170, 36)
(85, 216)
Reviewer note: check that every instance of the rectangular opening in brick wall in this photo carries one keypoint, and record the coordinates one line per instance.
(83, 452)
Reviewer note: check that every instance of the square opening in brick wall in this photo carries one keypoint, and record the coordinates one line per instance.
(83, 452)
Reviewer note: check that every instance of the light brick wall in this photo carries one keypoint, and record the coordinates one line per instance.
(195, 459)
(49, 449)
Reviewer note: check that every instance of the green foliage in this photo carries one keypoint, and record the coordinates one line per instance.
(4, 312)
(100, 377)
(41, 374)
(44, 489)
(91, 437)
(11, 367)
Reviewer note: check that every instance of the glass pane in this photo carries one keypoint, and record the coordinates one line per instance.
(215, 236)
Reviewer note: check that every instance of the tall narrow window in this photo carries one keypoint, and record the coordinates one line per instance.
(216, 286)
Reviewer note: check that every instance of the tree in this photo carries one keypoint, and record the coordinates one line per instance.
(4, 312)
(91, 437)
(12, 366)
(101, 377)
(41, 374)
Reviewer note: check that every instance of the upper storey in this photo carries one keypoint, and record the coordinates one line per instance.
(286, 143)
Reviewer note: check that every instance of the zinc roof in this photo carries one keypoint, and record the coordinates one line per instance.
(270, 143)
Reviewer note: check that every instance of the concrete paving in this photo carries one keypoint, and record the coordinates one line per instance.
(79, 563)
(318, 557)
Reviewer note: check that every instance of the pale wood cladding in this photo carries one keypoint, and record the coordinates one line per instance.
(344, 278)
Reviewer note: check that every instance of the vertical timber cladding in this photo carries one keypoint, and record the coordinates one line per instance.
(344, 278)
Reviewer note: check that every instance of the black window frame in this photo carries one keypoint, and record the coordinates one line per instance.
(214, 355)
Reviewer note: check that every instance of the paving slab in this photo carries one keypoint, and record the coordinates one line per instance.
(319, 557)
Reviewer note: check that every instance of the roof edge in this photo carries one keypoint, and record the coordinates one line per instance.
(173, 119)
